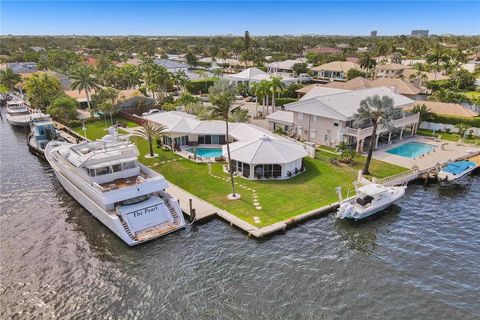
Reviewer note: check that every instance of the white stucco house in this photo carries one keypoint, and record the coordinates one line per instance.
(255, 152)
(327, 118)
(252, 75)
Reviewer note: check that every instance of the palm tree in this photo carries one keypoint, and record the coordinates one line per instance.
(203, 75)
(9, 79)
(180, 79)
(83, 80)
(367, 62)
(221, 95)
(275, 84)
(239, 115)
(42, 89)
(263, 91)
(255, 90)
(436, 56)
(148, 131)
(374, 111)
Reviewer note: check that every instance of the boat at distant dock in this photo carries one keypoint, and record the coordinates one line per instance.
(456, 170)
(105, 177)
(42, 131)
(19, 115)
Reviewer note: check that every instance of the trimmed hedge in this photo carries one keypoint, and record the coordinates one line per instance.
(280, 102)
(197, 86)
(453, 120)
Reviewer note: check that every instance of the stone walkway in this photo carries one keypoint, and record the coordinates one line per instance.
(256, 201)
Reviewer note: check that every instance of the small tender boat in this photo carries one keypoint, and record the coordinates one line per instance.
(42, 131)
(18, 114)
(369, 200)
(456, 170)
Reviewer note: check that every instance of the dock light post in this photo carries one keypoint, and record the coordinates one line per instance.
(84, 131)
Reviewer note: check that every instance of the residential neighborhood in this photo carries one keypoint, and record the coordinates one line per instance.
(239, 159)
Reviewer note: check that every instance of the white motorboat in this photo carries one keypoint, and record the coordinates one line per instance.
(19, 115)
(369, 199)
(456, 170)
(42, 131)
(105, 177)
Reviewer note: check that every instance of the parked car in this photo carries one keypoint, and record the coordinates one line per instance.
(149, 112)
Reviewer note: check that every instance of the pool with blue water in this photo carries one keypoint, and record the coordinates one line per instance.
(411, 149)
(206, 152)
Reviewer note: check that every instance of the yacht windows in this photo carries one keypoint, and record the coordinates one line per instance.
(117, 167)
(102, 171)
(91, 172)
(129, 165)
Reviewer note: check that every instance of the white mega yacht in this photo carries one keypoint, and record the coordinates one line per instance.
(105, 177)
(19, 115)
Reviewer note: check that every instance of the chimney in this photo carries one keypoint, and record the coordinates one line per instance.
(394, 89)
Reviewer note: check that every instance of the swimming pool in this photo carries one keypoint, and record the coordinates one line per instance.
(206, 152)
(411, 149)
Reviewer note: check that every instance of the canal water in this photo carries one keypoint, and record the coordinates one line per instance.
(418, 260)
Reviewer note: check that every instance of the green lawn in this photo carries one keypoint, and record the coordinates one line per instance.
(447, 136)
(279, 200)
(97, 129)
(471, 94)
(378, 169)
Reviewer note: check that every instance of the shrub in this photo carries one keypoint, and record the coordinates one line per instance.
(197, 86)
(454, 120)
(279, 102)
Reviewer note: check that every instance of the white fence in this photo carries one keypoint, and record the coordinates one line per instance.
(443, 127)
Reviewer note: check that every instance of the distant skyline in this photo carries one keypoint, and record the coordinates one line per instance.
(183, 18)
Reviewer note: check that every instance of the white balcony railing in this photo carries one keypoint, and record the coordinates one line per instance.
(366, 132)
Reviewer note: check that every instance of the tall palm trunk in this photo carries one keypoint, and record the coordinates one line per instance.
(273, 101)
(88, 99)
(370, 149)
(150, 147)
(229, 161)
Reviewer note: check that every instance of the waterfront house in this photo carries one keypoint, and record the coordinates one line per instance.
(327, 118)
(251, 75)
(255, 152)
(334, 71)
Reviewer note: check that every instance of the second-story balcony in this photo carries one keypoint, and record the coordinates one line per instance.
(361, 133)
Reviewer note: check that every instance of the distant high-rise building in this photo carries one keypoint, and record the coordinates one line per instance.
(373, 34)
(420, 33)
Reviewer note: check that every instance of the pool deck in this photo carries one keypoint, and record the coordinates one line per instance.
(444, 152)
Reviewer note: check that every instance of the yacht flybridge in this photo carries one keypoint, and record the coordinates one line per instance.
(19, 115)
(105, 177)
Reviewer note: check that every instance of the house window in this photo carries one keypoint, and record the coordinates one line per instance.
(335, 124)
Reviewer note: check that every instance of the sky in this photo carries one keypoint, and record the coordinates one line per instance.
(234, 17)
